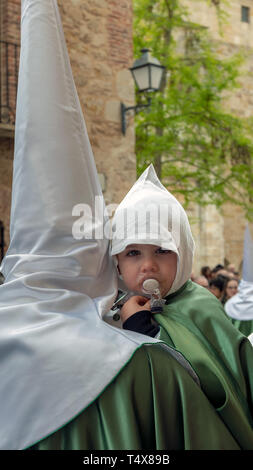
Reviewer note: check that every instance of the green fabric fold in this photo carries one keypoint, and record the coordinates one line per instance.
(152, 404)
(194, 323)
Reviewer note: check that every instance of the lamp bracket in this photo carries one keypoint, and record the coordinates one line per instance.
(125, 109)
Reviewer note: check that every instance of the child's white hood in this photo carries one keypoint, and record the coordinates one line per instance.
(149, 214)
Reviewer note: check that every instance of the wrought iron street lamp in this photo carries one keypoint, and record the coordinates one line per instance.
(147, 73)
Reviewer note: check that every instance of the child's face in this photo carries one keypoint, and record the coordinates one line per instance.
(140, 262)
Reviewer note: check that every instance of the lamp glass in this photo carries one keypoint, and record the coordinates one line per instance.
(141, 77)
(156, 77)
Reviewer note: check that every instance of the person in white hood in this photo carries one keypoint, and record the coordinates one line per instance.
(239, 308)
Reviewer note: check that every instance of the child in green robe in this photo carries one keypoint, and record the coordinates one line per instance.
(158, 245)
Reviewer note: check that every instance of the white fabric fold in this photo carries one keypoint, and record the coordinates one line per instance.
(240, 306)
(56, 352)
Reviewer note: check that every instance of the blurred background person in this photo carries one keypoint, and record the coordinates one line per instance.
(202, 281)
(206, 272)
(214, 271)
(216, 286)
(230, 289)
(237, 276)
(231, 268)
(223, 272)
(220, 270)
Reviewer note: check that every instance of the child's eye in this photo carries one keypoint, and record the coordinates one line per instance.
(133, 253)
(162, 251)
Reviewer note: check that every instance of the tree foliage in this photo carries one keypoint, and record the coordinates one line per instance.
(199, 148)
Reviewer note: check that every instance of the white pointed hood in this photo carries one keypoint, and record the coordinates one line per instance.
(56, 353)
(150, 214)
(240, 306)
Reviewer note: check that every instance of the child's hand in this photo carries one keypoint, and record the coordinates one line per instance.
(133, 305)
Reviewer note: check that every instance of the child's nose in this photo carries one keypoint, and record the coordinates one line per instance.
(149, 265)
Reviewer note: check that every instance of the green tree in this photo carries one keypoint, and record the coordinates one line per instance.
(199, 149)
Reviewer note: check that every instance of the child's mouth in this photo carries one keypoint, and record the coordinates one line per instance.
(150, 285)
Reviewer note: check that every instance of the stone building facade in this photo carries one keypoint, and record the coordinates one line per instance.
(99, 40)
(219, 234)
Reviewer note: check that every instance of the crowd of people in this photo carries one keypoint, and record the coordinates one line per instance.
(222, 281)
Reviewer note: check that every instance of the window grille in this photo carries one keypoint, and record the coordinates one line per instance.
(245, 14)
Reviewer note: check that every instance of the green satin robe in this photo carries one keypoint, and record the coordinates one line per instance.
(194, 322)
(152, 404)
